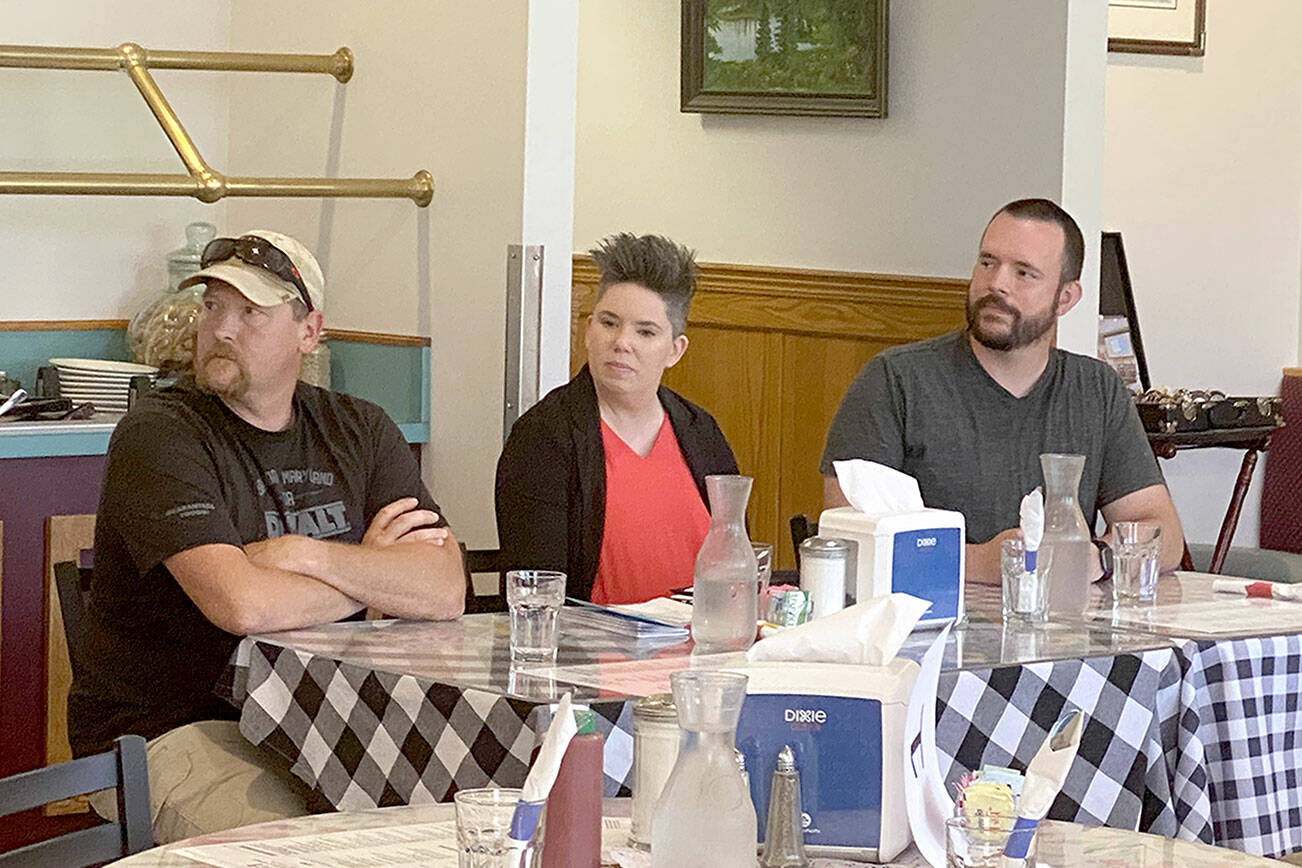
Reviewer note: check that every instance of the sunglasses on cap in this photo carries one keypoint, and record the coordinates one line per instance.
(260, 253)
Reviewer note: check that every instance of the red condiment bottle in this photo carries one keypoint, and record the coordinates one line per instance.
(572, 829)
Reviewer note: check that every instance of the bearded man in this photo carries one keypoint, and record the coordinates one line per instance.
(969, 413)
(240, 501)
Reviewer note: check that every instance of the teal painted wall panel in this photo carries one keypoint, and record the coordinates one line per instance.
(393, 377)
(21, 353)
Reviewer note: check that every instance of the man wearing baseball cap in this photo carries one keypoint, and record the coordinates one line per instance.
(240, 501)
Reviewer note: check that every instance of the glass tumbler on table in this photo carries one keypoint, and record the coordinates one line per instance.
(980, 843)
(1136, 560)
(1025, 597)
(483, 830)
(534, 598)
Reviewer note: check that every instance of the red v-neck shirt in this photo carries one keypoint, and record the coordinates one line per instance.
(655, 520)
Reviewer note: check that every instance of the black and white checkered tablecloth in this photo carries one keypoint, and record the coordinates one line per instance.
(1122, 775)
(363, 738)
(1240, 738)
(1199, 741)
(371, 716)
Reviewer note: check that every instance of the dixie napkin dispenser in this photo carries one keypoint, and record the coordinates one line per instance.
(845, 725)
(918, 552)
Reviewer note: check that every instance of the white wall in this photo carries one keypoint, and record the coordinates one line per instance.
(439, 85)
(549, 172)
(1082, 158)
(80, 257)
(976, 115)
(1203, 177)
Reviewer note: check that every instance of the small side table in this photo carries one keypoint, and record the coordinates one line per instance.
(1252, 441)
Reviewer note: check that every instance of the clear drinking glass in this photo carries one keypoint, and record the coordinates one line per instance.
(534, 598)
(1024, 592)
(483, 830)
(1136, 560)
(537, 684)
(980, 843)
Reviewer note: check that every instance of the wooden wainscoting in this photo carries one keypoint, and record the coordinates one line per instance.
(772, 352)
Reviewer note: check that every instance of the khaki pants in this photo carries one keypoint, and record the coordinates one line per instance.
(205, 777)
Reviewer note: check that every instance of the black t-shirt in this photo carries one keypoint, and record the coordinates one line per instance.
(930, 410)
(185, 471)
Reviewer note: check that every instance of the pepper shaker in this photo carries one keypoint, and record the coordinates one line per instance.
(740, 759)
(784, 839)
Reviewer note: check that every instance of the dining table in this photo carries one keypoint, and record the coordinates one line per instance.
(1191, 705)
(425, 835)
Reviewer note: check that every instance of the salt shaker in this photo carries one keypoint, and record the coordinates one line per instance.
(655, 747)
(823, 563)
(784, 839)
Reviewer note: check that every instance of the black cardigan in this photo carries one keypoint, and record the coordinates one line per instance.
(551, 478)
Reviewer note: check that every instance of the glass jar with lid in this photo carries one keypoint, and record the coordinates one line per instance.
(314, 367)
(655, 747)
(162, 333)
(824, 567)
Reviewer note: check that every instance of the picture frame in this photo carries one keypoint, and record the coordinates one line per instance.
(1120, 344)
(785, 57)
(1173, 27)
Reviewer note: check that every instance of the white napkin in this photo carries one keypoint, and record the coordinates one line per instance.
(875, 489)
(1258, 588)
(1031, 517)
(869, 633)
(538, 783)
(925, 798)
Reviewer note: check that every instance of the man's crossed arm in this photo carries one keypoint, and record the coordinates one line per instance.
(403, 566)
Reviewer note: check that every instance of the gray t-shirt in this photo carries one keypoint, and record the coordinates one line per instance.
(930, 410)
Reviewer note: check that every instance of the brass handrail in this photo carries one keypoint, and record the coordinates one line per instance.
(203, 182)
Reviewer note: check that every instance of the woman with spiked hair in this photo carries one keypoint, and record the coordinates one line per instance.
(605, 477)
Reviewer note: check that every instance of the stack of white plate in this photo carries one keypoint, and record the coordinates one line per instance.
(102, 382)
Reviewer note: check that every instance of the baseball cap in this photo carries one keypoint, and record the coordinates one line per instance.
(261, 286)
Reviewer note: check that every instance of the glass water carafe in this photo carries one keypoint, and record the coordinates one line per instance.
(704, 817)
(1067, 555)
(725, 594)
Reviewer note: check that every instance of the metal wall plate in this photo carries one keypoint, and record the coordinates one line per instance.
(524, 269)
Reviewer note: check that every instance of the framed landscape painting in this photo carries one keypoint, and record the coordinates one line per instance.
(1158, 26)
(790, 57)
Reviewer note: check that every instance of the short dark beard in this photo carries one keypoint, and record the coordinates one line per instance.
(234, 390)
(1022, 331)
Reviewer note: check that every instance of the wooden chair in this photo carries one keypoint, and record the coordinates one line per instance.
(67, 539)
(71, 582)
(480, 561)
(123, 767)
(801, 530)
